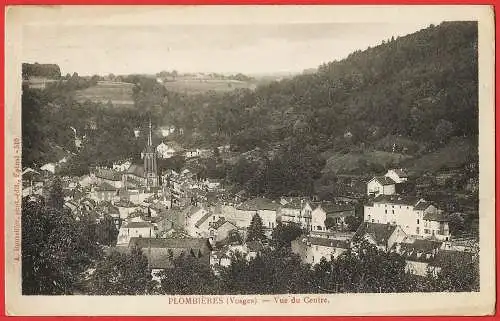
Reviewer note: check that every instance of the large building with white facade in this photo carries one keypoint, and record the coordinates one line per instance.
(416, 216)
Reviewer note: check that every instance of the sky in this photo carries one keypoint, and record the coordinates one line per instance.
(246, 48)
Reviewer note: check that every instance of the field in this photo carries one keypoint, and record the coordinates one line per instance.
(193, 86)
(454, 155)
(339, 163)
(119, 93)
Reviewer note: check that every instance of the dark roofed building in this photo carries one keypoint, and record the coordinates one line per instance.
(259, 203)
(162, 251)
(384, 236)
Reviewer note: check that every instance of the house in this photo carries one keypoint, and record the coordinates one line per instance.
(49, 167)
(167, 130)
(397, 175)
(109, 176)
(212, 183)
(335, 212)
(104, 192)
(161, 252)
(381, 185)
(436, 224)
(264, 207)
(296, 210)
(165, 151)
(135, 174)
(418, 254)
(192, 216)
(136, 228)
(312, 249)
(383, 236)
(193, 153)
(221, 230)
(416, 216)
(121, 166)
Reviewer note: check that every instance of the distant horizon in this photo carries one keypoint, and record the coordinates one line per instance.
(262, 50)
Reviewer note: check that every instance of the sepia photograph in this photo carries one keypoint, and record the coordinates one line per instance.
(250, 165)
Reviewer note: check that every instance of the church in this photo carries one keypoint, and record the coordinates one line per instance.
(146, 175)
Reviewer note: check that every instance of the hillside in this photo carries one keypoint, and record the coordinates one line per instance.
(416, 92)
(410, 101)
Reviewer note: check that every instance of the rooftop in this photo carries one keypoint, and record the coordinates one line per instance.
(259, 203)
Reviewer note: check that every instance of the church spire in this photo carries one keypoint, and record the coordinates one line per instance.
(150, 141)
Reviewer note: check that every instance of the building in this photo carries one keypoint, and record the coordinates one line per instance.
(192, 153)
(381, 185)
(312, 249)
(418, 254)
(104, 192)
(140, 229)
(265, 208)
(397, 175)
(337, 213)
(150, 164)
(296, 210)
(108, 176)
(161, 252)
(165, 151)
(393, 182)
(416, 216)
(221, 229)
(383, 236)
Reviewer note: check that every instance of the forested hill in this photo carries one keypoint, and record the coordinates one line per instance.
(411, 101)
(50, 71)
(422, 86)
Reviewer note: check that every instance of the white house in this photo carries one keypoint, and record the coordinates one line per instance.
(298, 211)
(381, 185)
(312, 249)
(265, 208)
(192, 216)
(49, 167)
(121, 166)
(416, 216)
(136, 229)
(318, 218)
(193, 153)
(397, 175)
(165, 151)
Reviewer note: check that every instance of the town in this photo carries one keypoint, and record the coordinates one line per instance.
(171, 214)
(360, 175)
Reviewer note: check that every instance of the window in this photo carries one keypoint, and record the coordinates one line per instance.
(392, 211)
(426, 231)
(373, 221)
(385, 211)
(418, 221)
(318, 228)
(418, 230)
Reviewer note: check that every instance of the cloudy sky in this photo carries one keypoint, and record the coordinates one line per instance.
(247, 48)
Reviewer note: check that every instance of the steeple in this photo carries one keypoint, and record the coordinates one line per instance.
(150, 141)
(150, 165)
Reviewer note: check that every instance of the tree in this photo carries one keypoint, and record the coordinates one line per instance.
(122, 274)
(56, 195)
(256, 229)
(270, 272)
(188, 275)
(353, 223)
(284, 234)
(443, 130)
(56, 250)
(106, 231)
